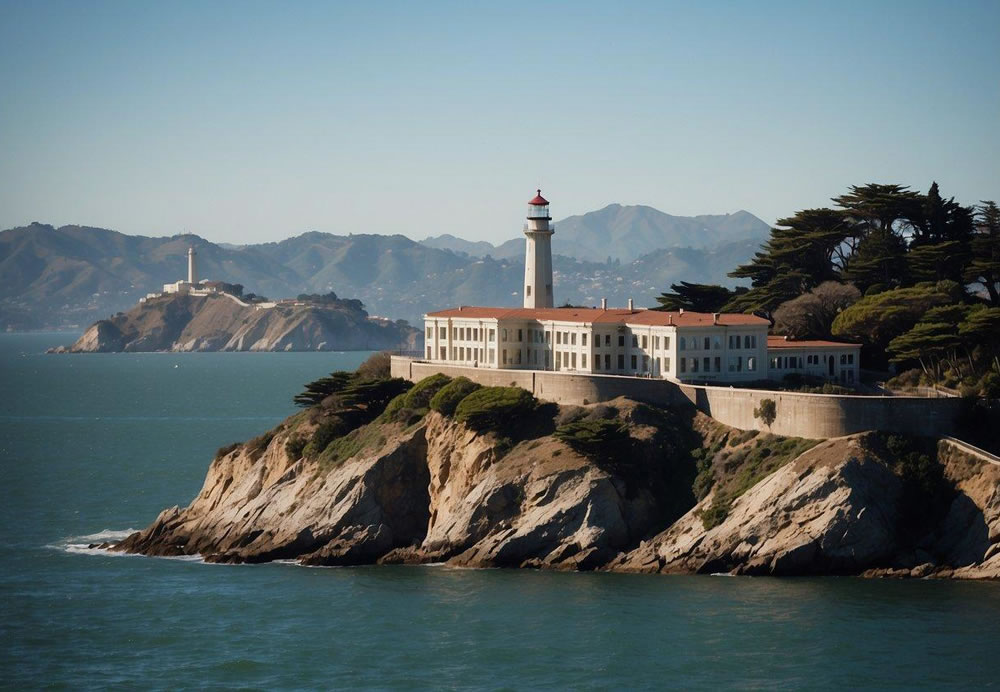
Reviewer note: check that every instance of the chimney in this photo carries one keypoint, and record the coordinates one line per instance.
(680, 311)
(630, 307)
(715, 318)
(604, 303)
(670, 318)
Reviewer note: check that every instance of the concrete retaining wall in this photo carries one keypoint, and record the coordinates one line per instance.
(815, 416)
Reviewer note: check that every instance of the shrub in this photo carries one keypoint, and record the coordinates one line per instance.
(495, 408)
(228, 449)
(716, 513)
(258, 445)
(766, 412)
(377, 367)
(294, 446)
(448, 397)
(423, 391)
(602, 439)
(327, 432)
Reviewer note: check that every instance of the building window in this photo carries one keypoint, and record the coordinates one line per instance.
(645, 363)
(546, 360)
(633, 363)
(850, 359)
(718, 343)
(843, 359)
(666, 343)
(503, 356)
(583, 361)
(635, 341)
(708, 343)
(645, 341)
(656, 343)
(751, 364)
(718, 364)
(682, 344)
(621, 340)
(444, 333)
(607, 339)
(572, 339)
(558, 359)
(572, 360)
(683, 364)
(559, 337)
(583, 339)
(621, 361)
(444, 353)
(597, 362)
(503, 335)
(493, 335)
(527, 291)
(706, 364)
(548, 337)
(430, 332)
(694, 365)
(520, 335)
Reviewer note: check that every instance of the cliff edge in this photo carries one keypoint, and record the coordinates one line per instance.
(505, 481)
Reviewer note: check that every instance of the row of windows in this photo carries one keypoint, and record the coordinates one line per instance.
(793, 362)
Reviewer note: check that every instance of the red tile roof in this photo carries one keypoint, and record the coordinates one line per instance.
(782, 342)
(598, 316)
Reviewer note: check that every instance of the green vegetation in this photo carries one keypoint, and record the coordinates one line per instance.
(446, 400)
(604, 440)
(228, 449)
(734, 469)
(410, 407)
(258, 445)
(368, 437)
(294, 445)
(915, 278)
(495, 408)
(766, 412)
(927, 494)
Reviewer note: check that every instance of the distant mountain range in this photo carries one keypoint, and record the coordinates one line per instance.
(73, 275)
(623, 233)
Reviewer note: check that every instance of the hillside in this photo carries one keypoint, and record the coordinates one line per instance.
(220, 323)
(490, 477)
(74, 275)
(625, 233)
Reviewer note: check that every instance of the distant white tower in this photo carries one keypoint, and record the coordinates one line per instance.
(538, 255)
(192, 266)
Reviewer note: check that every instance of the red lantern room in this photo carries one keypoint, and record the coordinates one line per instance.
(538, 208)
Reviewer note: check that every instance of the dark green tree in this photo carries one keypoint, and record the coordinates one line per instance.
(984, 267)
(696, 297)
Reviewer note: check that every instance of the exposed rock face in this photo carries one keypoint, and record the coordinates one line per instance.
(834, 511)
(219, 323)
(437, 491)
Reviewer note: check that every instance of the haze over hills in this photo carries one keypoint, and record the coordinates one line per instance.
(624, 233)
(74, 275)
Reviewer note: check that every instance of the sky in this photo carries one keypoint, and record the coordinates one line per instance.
(252, 121)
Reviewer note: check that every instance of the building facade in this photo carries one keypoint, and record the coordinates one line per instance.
(680, 346)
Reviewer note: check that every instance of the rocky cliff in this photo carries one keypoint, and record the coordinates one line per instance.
(220, 323)
(419, 486)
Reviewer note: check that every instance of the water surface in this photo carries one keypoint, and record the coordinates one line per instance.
(92, 445)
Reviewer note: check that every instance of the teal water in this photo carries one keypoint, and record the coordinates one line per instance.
(93, 445)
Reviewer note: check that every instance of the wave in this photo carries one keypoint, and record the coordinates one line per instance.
(81, 545)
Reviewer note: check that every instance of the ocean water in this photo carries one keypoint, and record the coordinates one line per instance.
(94, 445)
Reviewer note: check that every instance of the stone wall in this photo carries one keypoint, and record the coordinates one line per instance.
(815, 416)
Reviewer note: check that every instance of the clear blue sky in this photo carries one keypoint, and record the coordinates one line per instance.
(251, 121)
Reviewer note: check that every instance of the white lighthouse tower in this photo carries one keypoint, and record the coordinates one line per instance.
(538, 254)
(192, 267)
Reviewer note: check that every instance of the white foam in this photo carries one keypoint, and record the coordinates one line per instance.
(105, 535)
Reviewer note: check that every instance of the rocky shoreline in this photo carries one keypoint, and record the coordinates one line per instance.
(691, 496)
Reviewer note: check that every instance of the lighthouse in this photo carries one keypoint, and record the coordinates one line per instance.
(192, 266)
(538, 254)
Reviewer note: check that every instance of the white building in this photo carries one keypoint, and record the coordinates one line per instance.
(192, 284)
(680, 346)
